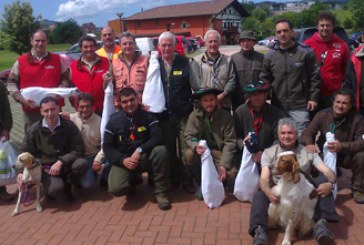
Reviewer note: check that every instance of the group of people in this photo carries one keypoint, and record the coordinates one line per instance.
(219, 98)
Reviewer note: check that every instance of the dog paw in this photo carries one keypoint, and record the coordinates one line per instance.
(15, 213)
(286, 243)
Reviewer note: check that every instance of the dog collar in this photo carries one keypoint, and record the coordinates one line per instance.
(35, 164)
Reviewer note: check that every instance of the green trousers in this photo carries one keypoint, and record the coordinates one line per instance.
(121, 178)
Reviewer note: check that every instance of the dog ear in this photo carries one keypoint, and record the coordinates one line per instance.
(295, 170)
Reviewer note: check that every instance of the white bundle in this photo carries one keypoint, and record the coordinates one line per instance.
(36, 94)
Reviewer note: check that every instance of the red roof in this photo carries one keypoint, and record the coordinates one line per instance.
(188, 9)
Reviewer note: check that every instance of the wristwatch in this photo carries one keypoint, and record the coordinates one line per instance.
(139, 150)
(333, 182)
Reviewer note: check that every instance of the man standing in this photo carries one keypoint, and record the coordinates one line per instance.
(348, 129)
(292, 70)
(177, 86)
(109, 49)
(57, 144)
(6, 123)
(332, 54)
(89, 72)
(325, 208)
(36, 68)
(248, 64)
(132, 143)
(130, 68)
(214, 125)
(215, 70)
(257, 116)
(354, 77)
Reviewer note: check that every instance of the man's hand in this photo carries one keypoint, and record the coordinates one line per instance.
(136, 156)
(257, 156)
(272, 197)
(96, 166)
(222, 172)
(65, 115)
(106, 77)
(334, 146)
(56, 168)
(200, 149)
(130, 163)
(311, 148)
(5, 135)
(324, 189)
(311, 105)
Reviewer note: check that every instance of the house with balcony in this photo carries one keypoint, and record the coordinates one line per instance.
(189, 19)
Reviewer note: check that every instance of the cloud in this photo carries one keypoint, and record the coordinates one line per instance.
(76, 9)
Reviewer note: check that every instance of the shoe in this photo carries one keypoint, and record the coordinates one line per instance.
(189, 187)
(358, 197)
(163, 202)
(104, 184)
(131, 192)
(322, 234)
(4, 195)
(260, 236)
(198, 194)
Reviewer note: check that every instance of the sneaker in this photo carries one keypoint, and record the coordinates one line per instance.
(163, 202)
(260, 236)
(322, 234)
(4, 195)
(358, 197)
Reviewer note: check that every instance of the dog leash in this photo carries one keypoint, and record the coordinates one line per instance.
(26, 198)
(309, 179)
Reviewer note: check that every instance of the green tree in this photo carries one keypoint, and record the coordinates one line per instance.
(249, 7)
(17, 26)
(66, 32)
(348, 23)
(260, 13)
(251, 23)
(357, 9)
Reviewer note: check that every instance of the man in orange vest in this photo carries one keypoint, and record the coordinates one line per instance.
(109, 49)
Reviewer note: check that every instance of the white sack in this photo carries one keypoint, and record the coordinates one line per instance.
(247, 179)
(36, 94)
(108, 108)
(211, 186)
(330, 157)
(153, 94)
(7, 161)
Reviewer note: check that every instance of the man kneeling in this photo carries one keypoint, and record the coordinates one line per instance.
(131, 141)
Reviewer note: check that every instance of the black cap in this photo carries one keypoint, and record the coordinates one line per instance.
(202, 91)
(258, 86)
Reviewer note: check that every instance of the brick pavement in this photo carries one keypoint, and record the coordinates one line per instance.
(98, 218)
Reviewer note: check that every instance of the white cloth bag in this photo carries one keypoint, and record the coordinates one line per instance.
(211, 186)
(108, 108)
(36, 94)
(330, 157)
(7, 161)
(247, 179)
(153, 94)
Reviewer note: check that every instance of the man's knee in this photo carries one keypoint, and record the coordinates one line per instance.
(79, 168)
(118, 181)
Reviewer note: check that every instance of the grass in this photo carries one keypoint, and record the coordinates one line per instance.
(8, 58)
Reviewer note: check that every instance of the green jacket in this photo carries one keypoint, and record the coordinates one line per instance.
(6, 119)
(220, 76)
(223, 131)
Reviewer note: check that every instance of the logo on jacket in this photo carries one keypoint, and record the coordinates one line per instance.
(49, 67)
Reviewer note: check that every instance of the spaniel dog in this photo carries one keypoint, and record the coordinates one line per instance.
(32, 174)
(296, 207)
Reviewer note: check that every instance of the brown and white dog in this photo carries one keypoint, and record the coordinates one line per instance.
(296, 207)
(32, 174)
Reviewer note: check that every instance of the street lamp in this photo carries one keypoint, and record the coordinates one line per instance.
(121, 23)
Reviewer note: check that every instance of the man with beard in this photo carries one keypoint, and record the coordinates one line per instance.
(109, 49)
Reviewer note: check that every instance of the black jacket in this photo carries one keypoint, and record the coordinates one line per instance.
(122, 136)
(177, 89)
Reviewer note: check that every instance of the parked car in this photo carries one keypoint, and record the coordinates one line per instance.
(267, 42)
(67, 59)
(357, 36)
(305, 33)
(180, 48)
(145, 45)
(195, 44)
(200, 40)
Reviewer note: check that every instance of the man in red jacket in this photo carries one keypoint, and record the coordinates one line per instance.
(332, 54)
(89, 72)
(36, 68)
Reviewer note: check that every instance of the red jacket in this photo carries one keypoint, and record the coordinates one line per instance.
(90, 81)
(357, 68)
(45, 73)
(332, 56)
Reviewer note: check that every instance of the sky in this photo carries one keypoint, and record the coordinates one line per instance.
(96, 11)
